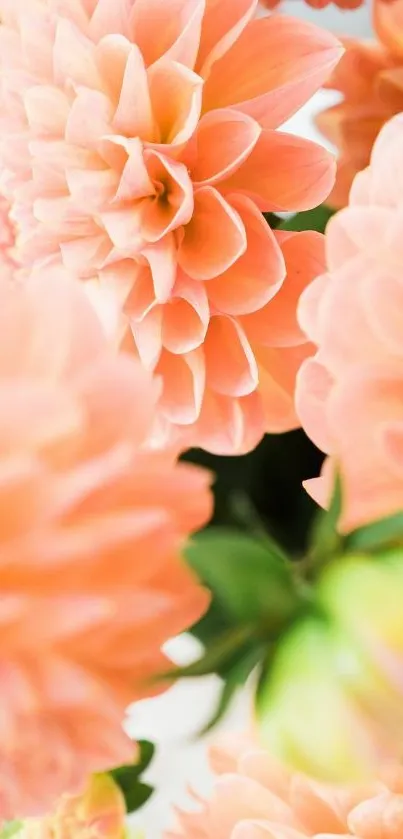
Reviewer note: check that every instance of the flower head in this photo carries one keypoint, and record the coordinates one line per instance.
(142, 155)
(256, 798)
(92, 522)
(370, 77)
(350, 395)
(99, 812)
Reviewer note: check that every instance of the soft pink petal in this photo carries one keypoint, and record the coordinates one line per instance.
(134, 116)
(257, 275)
(74, 57)
(110, 17)
(176, 96)
(273, 68)
(312, 390)
(171, 30)
(285, 173)
(147, 334)
(161, 257)
(230, 426)
(215, 237)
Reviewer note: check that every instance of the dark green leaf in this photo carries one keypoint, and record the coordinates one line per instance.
(249, 579)
(316, 219)
(217, 657)
(325, 539)
(127, 777)
(273, 220)
(382, 533)
(235, 679)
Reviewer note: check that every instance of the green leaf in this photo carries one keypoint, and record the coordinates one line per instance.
(127, 777)
(325, 538)
(316, 219)
(249, 579)
(378, 534)
(235, 680)
(218, 657)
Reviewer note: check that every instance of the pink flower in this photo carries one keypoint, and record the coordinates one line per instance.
(350, 395)
(255, 798)
(8, 254)
(143, 154)
(92, 523)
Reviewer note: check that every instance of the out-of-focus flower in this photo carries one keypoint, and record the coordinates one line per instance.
(332, 705)
(256, 798)
(92, 522)
(8, 256)
(370, 78)
(350, 395)
(144, 155)
(97, 813)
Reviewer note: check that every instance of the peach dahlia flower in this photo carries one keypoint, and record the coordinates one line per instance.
(255, 798)
(370, 77)
(99, 812)
(92, 521)
(139, 145)
(350, 395)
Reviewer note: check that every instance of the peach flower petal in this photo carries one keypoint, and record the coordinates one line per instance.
(177, 35)
(214, 239)
(276, 324)
(284, 173)
(257, 275)
(224, 140)
(231, 371)
(223, 23)
(283, 62)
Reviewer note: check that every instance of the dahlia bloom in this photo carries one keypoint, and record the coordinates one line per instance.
(143, 155)
(256, 798)
(99, 812)
(349, 396)
(370, 77)
(92, 521)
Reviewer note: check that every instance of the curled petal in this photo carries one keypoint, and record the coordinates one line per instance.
(224, 140)
(214, 238)
(277, 375)
(388, 21)
(147, 334)
(229, 426)
(186, 318)
(176, 96)
(74, 57)
(257, 275)
(134, 116)
(172, 205)
(183, 382)
(231, 367)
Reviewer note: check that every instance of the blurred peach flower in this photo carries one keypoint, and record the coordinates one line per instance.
(318, 4)
(97, 813)
(370, 78)
(92, 522)
(143, 156)
(256, 798)
(350, 395)
(8, 254)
